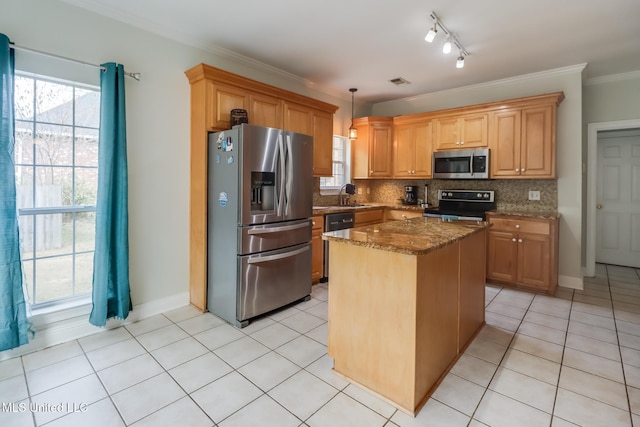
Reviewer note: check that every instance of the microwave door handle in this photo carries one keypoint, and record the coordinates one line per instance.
(471, 165)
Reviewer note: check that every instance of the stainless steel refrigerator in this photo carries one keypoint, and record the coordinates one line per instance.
(260, 185)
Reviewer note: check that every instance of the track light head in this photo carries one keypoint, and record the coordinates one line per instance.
(431, 35)
(460, 61)
(446, 47)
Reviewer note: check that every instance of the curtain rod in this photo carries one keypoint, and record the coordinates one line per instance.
(135, 76)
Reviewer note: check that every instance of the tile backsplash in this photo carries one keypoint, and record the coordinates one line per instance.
(511, 194)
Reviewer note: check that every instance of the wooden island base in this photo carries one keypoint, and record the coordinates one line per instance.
(397, 321)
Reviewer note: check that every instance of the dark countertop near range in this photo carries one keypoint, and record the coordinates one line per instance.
(417, 236)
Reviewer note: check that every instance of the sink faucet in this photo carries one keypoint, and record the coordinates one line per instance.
(343, 199)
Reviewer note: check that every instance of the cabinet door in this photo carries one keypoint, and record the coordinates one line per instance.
(380, 150)
(502, 256)
(225, 99)
(298, 118)
(322, 143)
(474, 129)
(538, 145)
(423, 150)
(447, 135)
(317, 250)
(265, 111)
(534, 260)
(403, 150)
(505, 143)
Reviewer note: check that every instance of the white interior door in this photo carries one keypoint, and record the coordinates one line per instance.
(618, 198)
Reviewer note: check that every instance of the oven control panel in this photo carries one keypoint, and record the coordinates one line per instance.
(467, 195)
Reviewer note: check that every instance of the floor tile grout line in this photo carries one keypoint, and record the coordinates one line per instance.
(624, 374)
(501, 359)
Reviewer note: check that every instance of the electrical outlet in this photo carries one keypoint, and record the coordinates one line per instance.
(368, 190)
(534, 195)
(359, 190)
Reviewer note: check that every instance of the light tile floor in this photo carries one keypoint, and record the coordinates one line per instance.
(568, 360)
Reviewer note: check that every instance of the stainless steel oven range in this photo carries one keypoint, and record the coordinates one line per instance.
(462, 205)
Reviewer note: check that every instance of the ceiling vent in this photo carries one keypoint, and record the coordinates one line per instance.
(400, 81)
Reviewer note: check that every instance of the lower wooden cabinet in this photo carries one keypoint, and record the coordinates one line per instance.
(317, 252)
(523, 252)
(368, 217)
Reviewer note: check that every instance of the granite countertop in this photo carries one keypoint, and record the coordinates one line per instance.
(527, 214)
(323, 210)
(417, 236)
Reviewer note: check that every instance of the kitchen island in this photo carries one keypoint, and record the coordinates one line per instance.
(405, 299)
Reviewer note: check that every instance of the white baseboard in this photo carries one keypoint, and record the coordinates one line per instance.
(571, 282)
(70, 324)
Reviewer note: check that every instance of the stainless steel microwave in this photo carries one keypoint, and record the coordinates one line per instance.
(461, 164)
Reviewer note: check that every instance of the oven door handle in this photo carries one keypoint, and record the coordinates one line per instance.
(269, 258)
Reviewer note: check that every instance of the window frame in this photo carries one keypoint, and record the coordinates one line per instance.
(73, 209)
(345, 161)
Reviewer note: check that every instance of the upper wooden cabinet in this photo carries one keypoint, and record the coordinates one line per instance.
(523, 139)
(372, 151)
(465, 131)
(214, 93)
(412, 149)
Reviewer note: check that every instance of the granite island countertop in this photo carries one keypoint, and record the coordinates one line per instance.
(367, 206)
(526, 214)
(416, 236)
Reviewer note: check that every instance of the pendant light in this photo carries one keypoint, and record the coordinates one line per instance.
(353, 132)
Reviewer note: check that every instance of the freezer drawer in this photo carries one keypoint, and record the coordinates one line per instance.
(260, 238)
(273, 279)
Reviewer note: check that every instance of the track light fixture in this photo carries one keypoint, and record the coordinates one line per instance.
(450, 41)
(353, 131)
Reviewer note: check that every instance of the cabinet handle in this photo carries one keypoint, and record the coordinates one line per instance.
(517, 169)
(404, 216)
(513, 240)
(371, 172)
(517, 225)
(522, 169)
(519, 240)
(313, 223)
(461, 142)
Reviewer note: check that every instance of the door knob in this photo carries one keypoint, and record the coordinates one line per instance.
(598, 206)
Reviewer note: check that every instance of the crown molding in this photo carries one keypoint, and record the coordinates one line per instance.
(632, 75)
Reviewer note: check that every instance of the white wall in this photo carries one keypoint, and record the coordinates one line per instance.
(569, 143)
(157, 124)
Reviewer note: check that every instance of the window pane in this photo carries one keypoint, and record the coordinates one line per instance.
(51, 235)
(26, 225)
(23, 99)
(24, 186)
(87, 108)
(85, 231)
(86, 147)
(54, 145)
(84, 273)
(24, 143)
(54, 102)
(53, 187)
(86, 186)
(54, 278)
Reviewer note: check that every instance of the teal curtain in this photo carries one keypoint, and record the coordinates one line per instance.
(111, 294)
(14, 326)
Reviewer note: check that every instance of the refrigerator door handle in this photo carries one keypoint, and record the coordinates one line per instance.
(269, 258)
(281, 156)
(289, 181)
(277, 229)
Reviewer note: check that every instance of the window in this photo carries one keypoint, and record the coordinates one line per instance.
(56, 156)
(341, 166)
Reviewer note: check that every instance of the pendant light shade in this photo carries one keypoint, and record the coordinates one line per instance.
(353, 132)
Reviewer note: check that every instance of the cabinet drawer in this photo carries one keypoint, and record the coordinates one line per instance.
(317, 222)
(368, 217)
(521, 225)
(400, 214)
